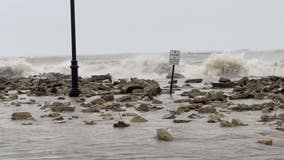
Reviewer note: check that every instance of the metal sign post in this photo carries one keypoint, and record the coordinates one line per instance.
(74, 65)
(174, 60)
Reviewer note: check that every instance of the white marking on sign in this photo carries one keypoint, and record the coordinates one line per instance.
(174, 57)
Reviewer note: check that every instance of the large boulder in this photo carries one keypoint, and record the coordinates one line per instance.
(150, 87)
(217, 96)
(22, 116)
(100, 78)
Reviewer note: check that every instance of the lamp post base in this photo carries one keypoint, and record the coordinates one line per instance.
(74, 93)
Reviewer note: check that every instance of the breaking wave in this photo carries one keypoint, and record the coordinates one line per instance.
(14, 67)
(226, 65)
(208, 66)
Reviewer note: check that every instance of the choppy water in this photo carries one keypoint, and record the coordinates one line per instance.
(197, 140)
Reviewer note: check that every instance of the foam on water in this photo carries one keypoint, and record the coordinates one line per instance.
(154, 66)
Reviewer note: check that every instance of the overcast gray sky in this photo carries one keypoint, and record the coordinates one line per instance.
(41, 27)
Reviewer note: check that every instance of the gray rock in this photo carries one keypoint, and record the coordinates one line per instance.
(22, 116)
(164, 135)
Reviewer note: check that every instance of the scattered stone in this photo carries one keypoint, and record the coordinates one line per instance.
(164, 135)
(59, 122)
(266, 142)
(27, 124)
(214, 118)
(138, 119)
(129, 105)
(226, 124)
(144, 107)
(91, 110)
(267, 118)
(121, 124)
(108, 97)
(195, 116)
(61, 107)
(244, 95)
(207, 109)
(16, 103)
(80, 100)
(98, 101)
(127, 98)
(181, 101)
(60, 118)
(100, 78)
(22, 116)
(75, 117)
(155, 101)
(90, 122)
(107, 116)
(182, 109)
(197, 80)
(238, 122)
(181, 121)
(280, 129)
(217, 96)
(61, 98)
(169, 116)
(129, 114)
(201, 99)
(52, 115)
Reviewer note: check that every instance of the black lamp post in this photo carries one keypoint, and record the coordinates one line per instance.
(74, 65)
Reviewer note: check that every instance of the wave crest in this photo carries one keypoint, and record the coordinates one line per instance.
(226, 65)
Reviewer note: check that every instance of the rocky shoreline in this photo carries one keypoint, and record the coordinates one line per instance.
(130, 98)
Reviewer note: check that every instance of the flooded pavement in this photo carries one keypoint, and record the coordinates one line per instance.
(197, 140)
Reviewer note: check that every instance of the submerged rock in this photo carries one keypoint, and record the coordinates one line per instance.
(107, 116)
(266, 142)
(214, 118)
(164, 135)
(195, 116)
(226, 124)
(138, 119)
(90, 122)
(169, 116)
(22, 116)
(280, 129)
